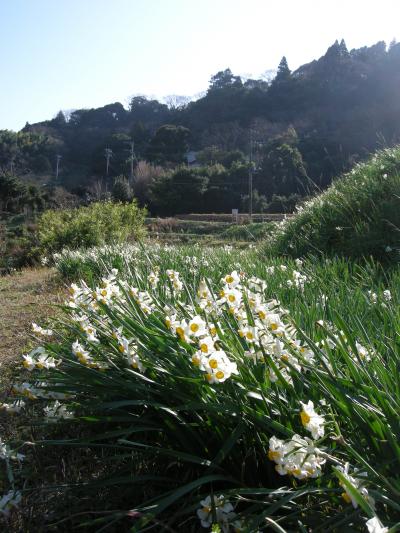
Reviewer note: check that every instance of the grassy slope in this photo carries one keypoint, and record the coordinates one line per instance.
(358, 215)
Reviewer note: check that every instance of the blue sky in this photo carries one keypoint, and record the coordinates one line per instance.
(68, 54)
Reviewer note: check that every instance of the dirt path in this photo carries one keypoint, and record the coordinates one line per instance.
(25, 297)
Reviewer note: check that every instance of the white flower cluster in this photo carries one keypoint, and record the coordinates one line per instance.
(41, 331)
(153, 279)
(38, 359)
(81, 296)
(57, 411)
(336, 338)
(221, 508)
(298, 280)
(374, 526)
(10, 501)
(176, 283)
(7, 453)
(266, 332)
(85, 358)
(39, 390)
(209, 357)
(311, 420)
(357, 480)
(297, 457)
(13, 407)
(127, 252)
(129, 349)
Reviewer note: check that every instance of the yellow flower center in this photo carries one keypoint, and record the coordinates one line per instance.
(180, 332)
(250, 335)
(346, 497)
(213, 363)
(262, 315)
(229, 279)
(231, 298)
(274, 326)
(208, 376)
(103, 292)
(273, 455)
(26, 364)
(213, 331)
(219, 374)
(121, 348)
(194, 327)
(195, 360)
(305, 418)
(168, 322)
(204, 348)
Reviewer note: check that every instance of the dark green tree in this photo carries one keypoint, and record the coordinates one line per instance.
(224, 79)
(12, 192)
(283, 74)
(180, 191)
(283, 171)
(169, 145)
(122, 191)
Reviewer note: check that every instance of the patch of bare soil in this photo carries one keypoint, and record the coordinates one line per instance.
(25, 297)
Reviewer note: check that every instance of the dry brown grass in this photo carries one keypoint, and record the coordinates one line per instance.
(25, 297)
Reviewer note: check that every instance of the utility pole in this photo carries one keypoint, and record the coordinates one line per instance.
(58, 159)
(108, 155)
(132, 158)
(251, 177)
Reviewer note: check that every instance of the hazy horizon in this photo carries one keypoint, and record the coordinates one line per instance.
(71, 55)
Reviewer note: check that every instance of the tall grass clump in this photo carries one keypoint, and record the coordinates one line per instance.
(215, 390)
(357, 216)
(93, 225)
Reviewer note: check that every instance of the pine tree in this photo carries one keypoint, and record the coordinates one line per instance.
(343, 49)
(283, 73)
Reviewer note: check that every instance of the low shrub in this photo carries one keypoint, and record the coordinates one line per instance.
(357, 216)
(96, 224)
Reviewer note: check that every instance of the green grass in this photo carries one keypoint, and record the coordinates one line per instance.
(357, 216)
(161, 438)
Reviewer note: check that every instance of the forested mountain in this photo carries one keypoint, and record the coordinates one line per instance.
(306, 126)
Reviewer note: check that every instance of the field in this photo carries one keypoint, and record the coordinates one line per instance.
(201, 387)
(212, 230)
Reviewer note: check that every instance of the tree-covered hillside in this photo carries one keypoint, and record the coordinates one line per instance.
(306, 126)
